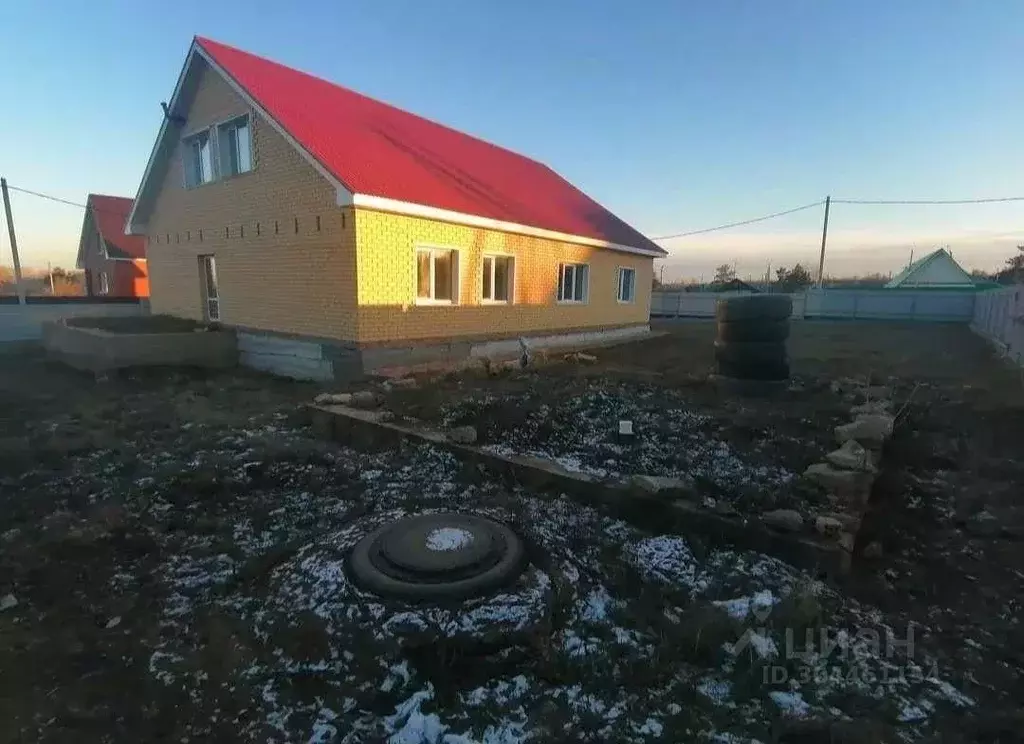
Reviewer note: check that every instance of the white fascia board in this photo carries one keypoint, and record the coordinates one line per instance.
(444, 215)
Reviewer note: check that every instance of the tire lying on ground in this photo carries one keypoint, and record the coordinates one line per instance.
(754, 307)
(753, 330)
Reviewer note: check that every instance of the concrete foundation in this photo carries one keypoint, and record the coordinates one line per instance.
(98, 350)
(324, 360)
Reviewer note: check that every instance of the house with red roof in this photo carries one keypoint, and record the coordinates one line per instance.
(114, 263)
(290, 207)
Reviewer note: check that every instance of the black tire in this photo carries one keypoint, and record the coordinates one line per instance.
(369, 565)
(754, 307)
(751, 353)
(753, 330)
(761, 372)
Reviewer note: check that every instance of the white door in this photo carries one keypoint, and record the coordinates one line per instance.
(208, 282)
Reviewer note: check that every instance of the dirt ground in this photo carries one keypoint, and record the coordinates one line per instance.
(171, 567)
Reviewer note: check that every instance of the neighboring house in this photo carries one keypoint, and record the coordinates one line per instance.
(275, 201)
(731, 285)
(937, 270)
(114, 263)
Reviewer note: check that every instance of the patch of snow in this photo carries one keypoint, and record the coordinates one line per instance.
(914, 712)
(763, 646)
(717, 690)
(409, 725)
(667, 558)
(740, 608)
(951, 694)
(596, 605)
(790, 703)
(444, 539)
(650, 727)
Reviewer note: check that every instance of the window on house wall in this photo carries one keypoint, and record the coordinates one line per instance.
(209, 287)
(627, 285)
(497, 278)
(437, 272)
(573, 281)
(235, 146)
(104, 283)
(198, 160)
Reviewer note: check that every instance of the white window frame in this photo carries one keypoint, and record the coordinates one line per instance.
(187, 164)
(434, 250)
(217, 170)
(562, 267)
(511, 278)
(104, 283)
(211, 300)
(224, 154)
(620, 272)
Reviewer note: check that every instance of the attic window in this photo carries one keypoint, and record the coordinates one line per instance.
(198, 160)
(235, 146)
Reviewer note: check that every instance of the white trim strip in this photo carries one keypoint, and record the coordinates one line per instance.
(420, 210)
(129, 225)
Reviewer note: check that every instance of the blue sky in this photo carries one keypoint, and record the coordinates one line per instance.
(676, 115)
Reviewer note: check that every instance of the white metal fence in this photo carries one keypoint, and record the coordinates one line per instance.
(999, 317)
(21, 323)
(849, 304)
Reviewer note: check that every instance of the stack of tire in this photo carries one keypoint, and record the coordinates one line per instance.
(751, 339)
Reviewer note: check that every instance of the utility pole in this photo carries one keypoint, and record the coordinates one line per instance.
(49, 273)
(661, 278)
(14, 243)
(824, 237)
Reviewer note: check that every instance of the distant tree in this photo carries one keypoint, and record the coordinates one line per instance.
(1014, 270)
(724, 273)
(793, 280)
(66, 282)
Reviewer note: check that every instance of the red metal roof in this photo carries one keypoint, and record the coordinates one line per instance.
(110, 213)
(379, 150)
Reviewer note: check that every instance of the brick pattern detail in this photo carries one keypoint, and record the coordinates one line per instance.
(386, 265)
(270, 276)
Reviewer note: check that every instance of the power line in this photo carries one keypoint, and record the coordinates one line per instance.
(66, 201)
(928, 201)
(740, 223)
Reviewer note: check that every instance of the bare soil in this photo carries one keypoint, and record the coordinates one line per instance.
(166, 571)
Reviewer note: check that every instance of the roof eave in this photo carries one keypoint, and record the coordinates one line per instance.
(395, 206)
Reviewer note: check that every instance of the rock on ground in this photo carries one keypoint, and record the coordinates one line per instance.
(784, 519)
(656, 483)
(333, 399)
(851, 456)
(828, 525)
(852, 485)
(462, 435)
(870, 429)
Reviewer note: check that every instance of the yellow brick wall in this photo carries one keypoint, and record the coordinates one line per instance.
(280, 279)
(386, 266)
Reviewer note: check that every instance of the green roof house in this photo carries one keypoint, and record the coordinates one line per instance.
(937, 270)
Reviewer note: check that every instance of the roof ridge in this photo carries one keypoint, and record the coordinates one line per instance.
(206, 40)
